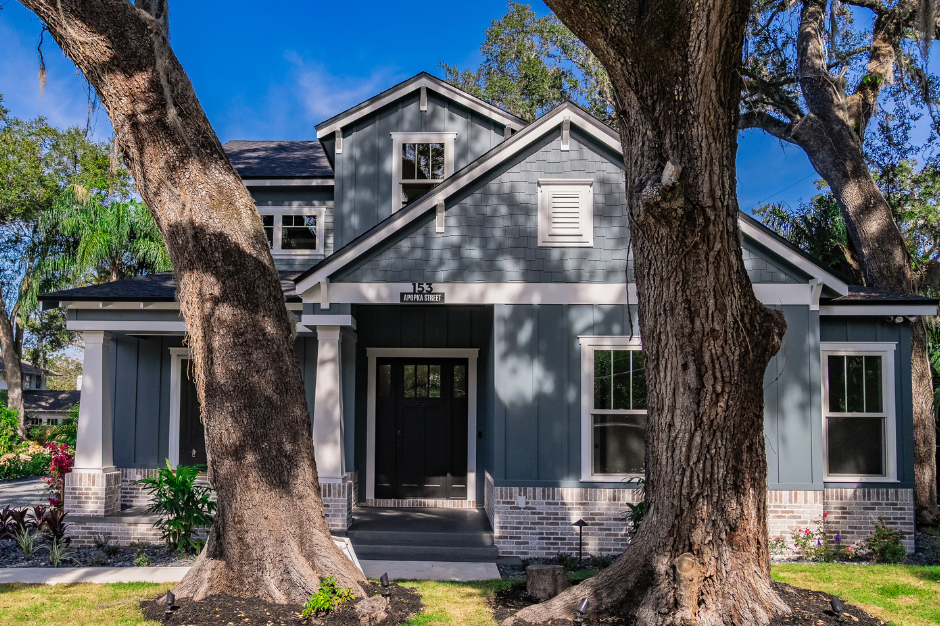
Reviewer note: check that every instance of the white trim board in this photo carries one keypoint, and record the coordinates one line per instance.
(287, 182)
(177, 356)
(142, 326)
(471, 354)
(878, 309)
(414, 84)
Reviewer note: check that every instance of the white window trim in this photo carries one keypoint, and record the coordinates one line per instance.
(886, 351)
(177, 356)
(471, 354)
(586, 187)
(318, 211)
(448, 139)
(588, 344)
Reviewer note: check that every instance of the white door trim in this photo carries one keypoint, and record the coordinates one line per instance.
(471, 354)
(177, 355)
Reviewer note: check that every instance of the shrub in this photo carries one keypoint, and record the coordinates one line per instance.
(67, 430)
(53, 526)
(27, 540)
(41, 435)
(778, 546)
(568, 561)
(327, 598)
(822, 544)
(61, 461)
(885, 543)
(9, 422)
(59, 553)
(19, 467)
(182, 505)
(141, 558)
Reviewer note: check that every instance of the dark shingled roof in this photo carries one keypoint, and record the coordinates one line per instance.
(48, 400)
(151, 288)
(278, 159)
(867, 295)
(29, 369)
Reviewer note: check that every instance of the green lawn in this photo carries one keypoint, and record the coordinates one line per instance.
(903, 596)
(900, 595)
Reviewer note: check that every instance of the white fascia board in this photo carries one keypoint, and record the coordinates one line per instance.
(140, 327)
(505, 151)
(288, 182)
(768, 241)
(446, 90)
(878, 309)
(152, 306)
(532, 293)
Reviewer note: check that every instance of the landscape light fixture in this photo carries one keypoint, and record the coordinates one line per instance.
(170, 603)
(580, 524)
(837, 607)
(582, 609)
(384, 580)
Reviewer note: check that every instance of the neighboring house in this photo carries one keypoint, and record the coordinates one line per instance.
(48, 407)
(467, 334)
(33, 377)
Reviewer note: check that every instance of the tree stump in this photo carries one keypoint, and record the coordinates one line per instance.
(546, 581)
(371, 610)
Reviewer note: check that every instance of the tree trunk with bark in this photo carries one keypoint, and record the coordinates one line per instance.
(270, 538)
(701, 554)
(831, 133)
(10, 351)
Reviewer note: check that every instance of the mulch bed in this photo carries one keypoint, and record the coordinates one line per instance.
(809, 608)
(228, 610)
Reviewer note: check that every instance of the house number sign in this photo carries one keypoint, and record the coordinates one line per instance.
(422, 293)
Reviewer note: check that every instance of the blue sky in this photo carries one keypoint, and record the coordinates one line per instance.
(264, 73)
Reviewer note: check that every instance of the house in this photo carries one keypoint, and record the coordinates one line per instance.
(48, 407)
(33, 377)
(467, 335)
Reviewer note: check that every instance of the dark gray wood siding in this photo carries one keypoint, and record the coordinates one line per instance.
(363, 172)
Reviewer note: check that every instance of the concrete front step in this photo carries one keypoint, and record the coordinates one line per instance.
(462, 554)
(397, 538)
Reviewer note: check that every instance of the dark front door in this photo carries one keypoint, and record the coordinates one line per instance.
(192, 434)
(421, 429)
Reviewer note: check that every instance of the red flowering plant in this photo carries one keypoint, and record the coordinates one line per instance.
(61, 464)
(822, 544)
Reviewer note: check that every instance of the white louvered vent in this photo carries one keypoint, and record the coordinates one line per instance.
(566, 213)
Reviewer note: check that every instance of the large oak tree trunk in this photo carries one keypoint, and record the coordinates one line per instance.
(270, 539)
(12, 367)
(701, 554)
(831, 136)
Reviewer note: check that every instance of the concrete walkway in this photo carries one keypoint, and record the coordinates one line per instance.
(55, 576)
(397, 570)
(23, 492)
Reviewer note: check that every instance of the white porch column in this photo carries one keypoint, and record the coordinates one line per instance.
(94, 485)
(328, 406)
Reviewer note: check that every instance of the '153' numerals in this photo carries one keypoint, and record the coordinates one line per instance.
(422, 287)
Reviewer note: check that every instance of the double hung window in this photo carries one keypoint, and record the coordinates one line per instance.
(858, 411)
(421, 161)
(294, 230)
(613, 396)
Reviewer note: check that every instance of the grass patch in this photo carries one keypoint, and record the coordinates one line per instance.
(84, 604)
(582, 574)
(899, 594)
(455, 603)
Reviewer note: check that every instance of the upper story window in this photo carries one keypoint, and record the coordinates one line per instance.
(858, 411)
(613, 408)
(421, 161)
(566, 213)
(294, 230)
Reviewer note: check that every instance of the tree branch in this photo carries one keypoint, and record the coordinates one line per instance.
(876, 6)
(767, 123)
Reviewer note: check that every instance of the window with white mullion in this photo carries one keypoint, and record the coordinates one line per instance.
(858, 416)
(294, 230)
(618, 412)
(420, 162)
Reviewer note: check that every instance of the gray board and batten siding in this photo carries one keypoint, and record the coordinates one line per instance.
(491, 229)
(363, 171)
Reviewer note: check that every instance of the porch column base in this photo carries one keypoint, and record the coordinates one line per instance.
(93, 492)
(339, 498)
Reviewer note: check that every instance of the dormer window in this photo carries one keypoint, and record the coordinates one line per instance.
(293, 231)
(421, 162)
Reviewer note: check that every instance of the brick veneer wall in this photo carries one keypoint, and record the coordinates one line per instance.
(122, 533)
(489, 494)
(131, 494)
(92, 492)
(339, 500)
(536, 522)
